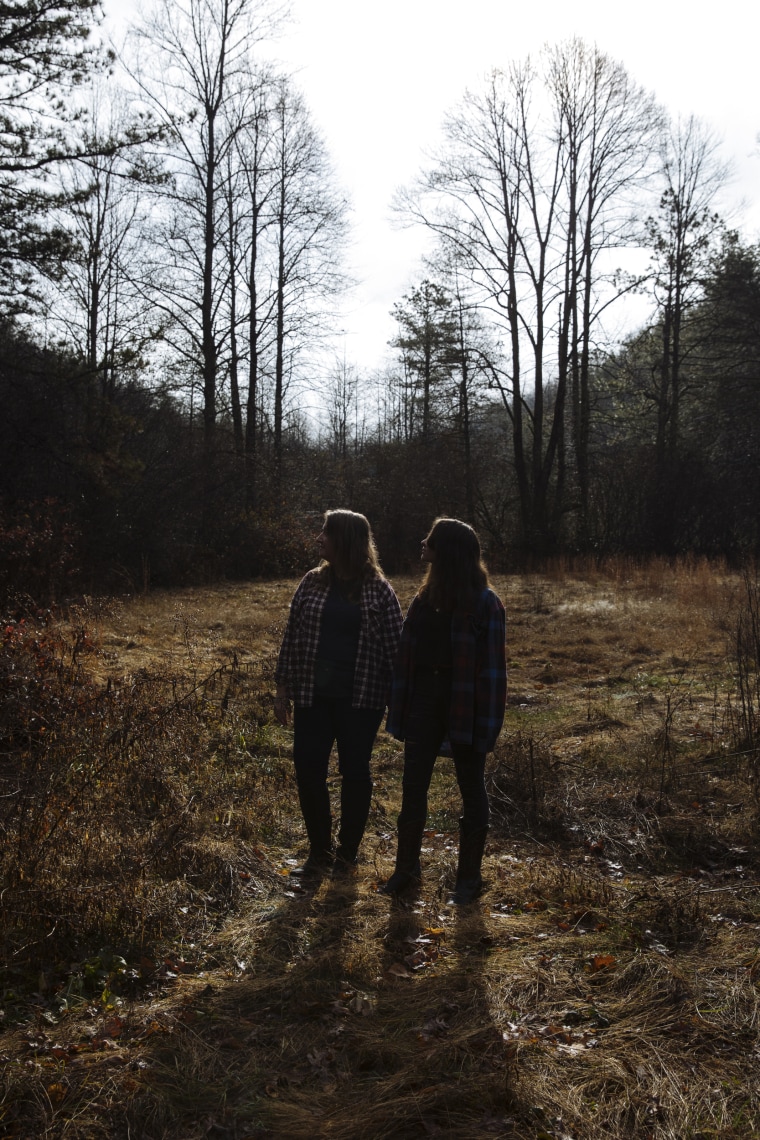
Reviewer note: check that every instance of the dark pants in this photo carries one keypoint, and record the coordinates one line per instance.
(425, 730)
(316, 729)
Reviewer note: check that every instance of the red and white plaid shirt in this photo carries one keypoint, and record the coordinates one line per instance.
(379, 632)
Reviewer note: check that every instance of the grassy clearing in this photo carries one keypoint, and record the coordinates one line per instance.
(162, 979)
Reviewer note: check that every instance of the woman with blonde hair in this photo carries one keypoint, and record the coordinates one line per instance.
(335, 665)
(449, 684)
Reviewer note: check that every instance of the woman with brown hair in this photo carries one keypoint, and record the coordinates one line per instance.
(449, 684)
(335, 665)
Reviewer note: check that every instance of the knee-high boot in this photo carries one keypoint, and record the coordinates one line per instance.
(315, 808)
(408, 871)
(355, 800)
(469, 882)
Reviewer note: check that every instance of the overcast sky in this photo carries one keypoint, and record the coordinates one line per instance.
(379, 78)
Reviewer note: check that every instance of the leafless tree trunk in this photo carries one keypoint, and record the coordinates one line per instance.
(308, 230)
(192, 65)
(525, 193)
(97, 297)
(606, 127)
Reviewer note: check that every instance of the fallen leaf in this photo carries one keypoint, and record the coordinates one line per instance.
(113, 1027)
(362, 1004)
(153, 1027)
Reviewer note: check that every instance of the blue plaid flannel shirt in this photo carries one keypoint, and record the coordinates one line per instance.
(479, 674)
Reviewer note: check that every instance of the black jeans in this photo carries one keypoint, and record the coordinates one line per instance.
(333, 721)
(426, 728)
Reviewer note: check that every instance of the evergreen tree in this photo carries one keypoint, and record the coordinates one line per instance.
(45, 50)
(427, 340)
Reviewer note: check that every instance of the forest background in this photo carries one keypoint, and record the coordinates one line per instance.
(172, 267)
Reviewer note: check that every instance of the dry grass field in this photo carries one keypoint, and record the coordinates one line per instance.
(163, 980)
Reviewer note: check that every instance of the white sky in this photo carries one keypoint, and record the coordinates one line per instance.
(379, 77)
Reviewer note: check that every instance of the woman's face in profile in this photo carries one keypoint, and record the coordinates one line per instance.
(426, 552)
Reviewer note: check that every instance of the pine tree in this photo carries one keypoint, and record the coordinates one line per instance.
(45, 50)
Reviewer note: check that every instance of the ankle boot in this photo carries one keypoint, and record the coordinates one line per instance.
(469, 882)
(316, 866)
(408, 872)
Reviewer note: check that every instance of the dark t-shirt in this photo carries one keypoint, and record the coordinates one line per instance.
(338, 645)
(432, 632)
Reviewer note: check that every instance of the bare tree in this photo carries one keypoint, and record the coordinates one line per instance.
(307, 235)
(253, 217)
(523, 191)
(606, 128)
(342, 407)
(683, 236)
(475, 355)
(192, 66)
(95, 296)
(493, 204)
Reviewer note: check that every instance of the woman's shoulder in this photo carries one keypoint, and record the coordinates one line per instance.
(490, 601)
(312, 580)
(378, 586)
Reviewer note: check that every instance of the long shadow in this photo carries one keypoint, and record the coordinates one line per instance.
(447, 1068)
(355, 1017)
(236, 1048)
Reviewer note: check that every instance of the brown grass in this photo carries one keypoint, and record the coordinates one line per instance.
(163, 980)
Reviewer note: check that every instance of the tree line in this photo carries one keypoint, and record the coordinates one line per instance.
(171, 262)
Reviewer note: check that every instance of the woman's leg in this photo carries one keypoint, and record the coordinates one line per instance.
(425, 730)
(473, 824)
(470, 769)
(313, 737)
(356, 730)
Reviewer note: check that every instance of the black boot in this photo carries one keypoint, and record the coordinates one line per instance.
(408, 872)
(355, 799)
(315, 808)
(469, 882)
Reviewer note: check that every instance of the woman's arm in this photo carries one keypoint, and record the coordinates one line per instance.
(400, 682)
(392, 623)
(492, 672)
(283, 673)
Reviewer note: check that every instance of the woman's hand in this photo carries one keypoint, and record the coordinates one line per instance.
(282, 709)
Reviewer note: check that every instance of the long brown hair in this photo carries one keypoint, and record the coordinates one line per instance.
(457, 574)
(355, 554)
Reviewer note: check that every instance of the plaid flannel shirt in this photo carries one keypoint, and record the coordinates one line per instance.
(379, 631)
(479, 674)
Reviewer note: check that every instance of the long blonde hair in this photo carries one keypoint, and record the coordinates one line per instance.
(355, 554)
